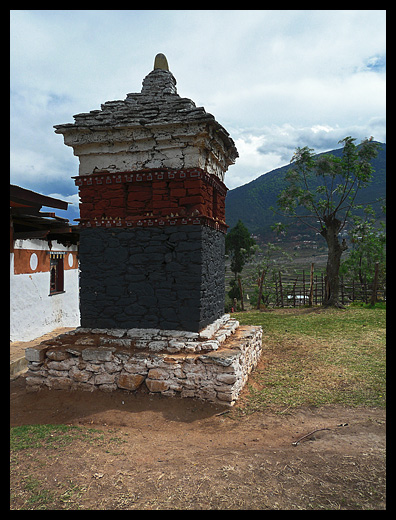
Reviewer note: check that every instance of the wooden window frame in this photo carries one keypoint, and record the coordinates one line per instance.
(57, 273)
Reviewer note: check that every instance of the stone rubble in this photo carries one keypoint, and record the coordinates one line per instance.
(213, 364)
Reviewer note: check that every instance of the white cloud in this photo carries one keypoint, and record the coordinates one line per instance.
(275, 79)
(72, 211)
(71, 199)
(264, 149)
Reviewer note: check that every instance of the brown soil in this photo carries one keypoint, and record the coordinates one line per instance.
(172, 453)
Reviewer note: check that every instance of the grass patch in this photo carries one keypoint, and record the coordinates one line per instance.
(37, 497)
(34, 447)
(315, 357)
(54, 436)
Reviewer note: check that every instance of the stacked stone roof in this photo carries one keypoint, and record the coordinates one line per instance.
(157, 104)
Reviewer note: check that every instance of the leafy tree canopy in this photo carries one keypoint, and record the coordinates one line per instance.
(239, 245)
(326, 205)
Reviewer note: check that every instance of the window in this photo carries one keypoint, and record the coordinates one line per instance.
(56, 273)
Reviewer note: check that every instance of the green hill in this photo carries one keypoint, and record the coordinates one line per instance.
(251, 202)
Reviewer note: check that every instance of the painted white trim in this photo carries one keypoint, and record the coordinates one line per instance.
(33, 261)
(41, 245)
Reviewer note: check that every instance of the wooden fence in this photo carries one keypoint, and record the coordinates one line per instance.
(309, 288)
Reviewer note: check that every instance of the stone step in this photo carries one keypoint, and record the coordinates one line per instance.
(18, 366)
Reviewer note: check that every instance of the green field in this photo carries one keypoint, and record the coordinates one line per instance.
(315, 357)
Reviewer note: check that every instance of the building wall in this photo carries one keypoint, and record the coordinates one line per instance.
(33, 311)
(169, 278)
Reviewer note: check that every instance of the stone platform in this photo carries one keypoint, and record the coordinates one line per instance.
(212, 364)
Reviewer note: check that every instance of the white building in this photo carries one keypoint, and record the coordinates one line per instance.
(43, 267)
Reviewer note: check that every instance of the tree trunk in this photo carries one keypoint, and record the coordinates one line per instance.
(260, 294)
(335, 250)
(280, 289)
(375, 285)
(241, 293)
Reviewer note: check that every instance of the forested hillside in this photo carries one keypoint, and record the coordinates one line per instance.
(251, 203)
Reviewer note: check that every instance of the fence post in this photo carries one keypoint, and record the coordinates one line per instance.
(322, 284)
(365, 290)
(294, 292)
(375, 284)
(280, 288)
(310, 301)
(342, 290)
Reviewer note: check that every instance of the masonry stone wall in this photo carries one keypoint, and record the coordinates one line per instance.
(170, 277)
(172, 364)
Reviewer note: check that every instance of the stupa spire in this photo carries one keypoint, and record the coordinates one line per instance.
(161, 62)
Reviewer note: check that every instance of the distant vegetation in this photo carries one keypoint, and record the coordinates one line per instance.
(323, 194)
(251, 203)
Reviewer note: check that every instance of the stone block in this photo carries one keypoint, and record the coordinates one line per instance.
(85, 341)
(112, 366)
(36, 354)
(83, 386)
(223, 396)
(122, 355)
(35, 381)
(157, 346)
(227, 378)
(80, 376)
(130, 381)
(119, 342)
(118, 333)
(158, 373)
(156, 386)
(62, 365)
(97, 354)
(209, 345)
(58, 383)
(57, 355)
(104, 378)
(142, 333)
(58, 373)
(224, 357)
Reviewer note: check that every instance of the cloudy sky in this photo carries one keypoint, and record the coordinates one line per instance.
(274, 79)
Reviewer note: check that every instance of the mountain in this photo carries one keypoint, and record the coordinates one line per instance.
(251, 202)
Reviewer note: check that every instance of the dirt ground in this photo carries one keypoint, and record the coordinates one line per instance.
(172, 453)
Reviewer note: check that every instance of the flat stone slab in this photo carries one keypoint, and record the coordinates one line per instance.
(157, 340)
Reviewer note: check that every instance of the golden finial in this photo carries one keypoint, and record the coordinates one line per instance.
(161, 62)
